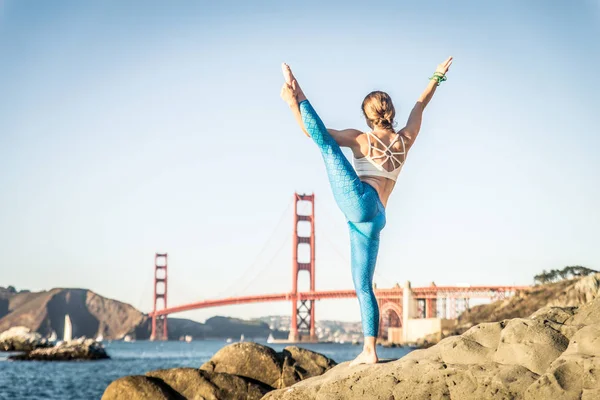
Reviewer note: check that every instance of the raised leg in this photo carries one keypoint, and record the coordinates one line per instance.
(348, 190)
(291, 80)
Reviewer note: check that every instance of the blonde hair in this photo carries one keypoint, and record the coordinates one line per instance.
(379, 110)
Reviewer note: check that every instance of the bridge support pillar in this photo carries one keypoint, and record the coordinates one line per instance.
(159, 323)
(407, 310)
(303, 311)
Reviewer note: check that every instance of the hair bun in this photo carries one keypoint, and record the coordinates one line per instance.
(378, 109)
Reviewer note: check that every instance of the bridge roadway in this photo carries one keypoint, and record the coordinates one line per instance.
(428, 292)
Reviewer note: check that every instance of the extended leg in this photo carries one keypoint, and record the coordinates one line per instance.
(347, 188)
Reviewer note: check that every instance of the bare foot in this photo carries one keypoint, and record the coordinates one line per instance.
(287, 73)
(290, 79)
(366, 357)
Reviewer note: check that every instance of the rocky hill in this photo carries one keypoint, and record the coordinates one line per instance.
(92, 315)
(567, 293)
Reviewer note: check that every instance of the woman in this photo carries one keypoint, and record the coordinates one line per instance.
(362, 194)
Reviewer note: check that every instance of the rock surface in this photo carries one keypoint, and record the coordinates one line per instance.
(87, 349)
(239, 371)
(552, 354)
(263, 364)
(138, 387)
(20, 338)
(199, 384)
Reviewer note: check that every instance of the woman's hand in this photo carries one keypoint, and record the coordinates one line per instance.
(443, 67)
(289, 93)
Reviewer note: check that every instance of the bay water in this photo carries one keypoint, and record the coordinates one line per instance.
(88, 379)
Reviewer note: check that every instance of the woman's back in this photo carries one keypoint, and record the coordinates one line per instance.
(378, 159)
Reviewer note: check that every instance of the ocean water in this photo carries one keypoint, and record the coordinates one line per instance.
(88, 379)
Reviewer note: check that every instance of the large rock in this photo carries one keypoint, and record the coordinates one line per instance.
(553, 354)
(20, 338)
(194, 383)
(239, 371)
(139, 388)
(263, 364)
(81, 349)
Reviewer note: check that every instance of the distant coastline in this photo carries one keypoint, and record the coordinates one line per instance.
(93, 316)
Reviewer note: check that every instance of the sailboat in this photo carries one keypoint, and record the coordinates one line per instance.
(53, 337)
(68, 331)
(242, 338)
(270, 339)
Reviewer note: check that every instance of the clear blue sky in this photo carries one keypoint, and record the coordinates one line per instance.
(133, 127)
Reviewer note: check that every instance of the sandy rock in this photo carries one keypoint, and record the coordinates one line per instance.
(83, 349)
(573, 376)
(263, 364)
(139, 388)
(531, 344)
(486, 334)
(586, 341)
(521, 358)
(587, 314)
(555, 314)
(196, 384)
(464, 350)
(409, 379)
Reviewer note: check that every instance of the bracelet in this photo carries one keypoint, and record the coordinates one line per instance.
(439, 77)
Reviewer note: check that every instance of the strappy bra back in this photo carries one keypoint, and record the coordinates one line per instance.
(372, 164)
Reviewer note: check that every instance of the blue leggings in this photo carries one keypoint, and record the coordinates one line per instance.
(363, 210)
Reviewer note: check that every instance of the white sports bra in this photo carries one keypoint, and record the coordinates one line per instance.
(367, 166)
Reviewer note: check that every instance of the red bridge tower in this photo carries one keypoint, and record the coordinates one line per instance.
(160, 292)
(303, 311)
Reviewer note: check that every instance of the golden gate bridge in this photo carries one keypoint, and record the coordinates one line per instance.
(390, 300)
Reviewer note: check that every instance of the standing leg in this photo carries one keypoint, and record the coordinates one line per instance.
(364, 246)
(364, 256)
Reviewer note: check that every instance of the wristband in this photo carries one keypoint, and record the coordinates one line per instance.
(439, 77)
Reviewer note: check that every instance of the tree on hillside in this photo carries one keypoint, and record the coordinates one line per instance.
(556, 275)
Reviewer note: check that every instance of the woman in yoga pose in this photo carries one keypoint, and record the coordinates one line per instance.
(362, 194)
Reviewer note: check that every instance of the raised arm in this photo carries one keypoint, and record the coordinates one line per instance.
(413, 125)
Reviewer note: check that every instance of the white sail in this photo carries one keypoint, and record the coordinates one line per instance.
(68, 331)
(53, 337)
(242, 338)
(270, 339)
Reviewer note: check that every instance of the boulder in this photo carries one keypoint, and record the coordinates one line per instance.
(139, 388)
(82, 349)
(239, 371)
(20, 338)
(194, 383)
(263, 364)
(250, 360)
